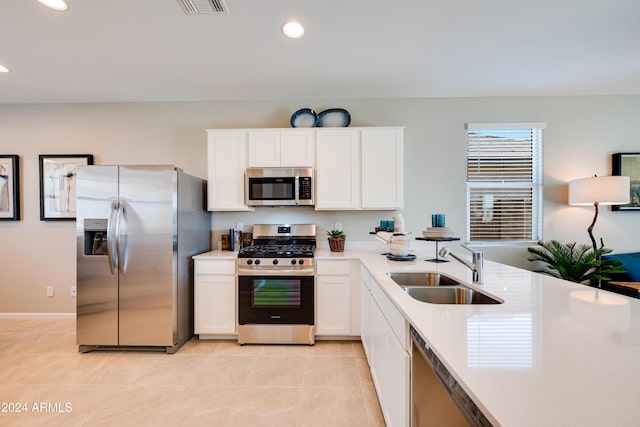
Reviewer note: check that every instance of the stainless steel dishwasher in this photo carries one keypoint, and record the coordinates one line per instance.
(436, 397)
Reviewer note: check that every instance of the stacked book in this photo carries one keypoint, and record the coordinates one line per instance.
(435, 232)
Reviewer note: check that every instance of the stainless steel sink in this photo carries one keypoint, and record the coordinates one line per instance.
(449, 295)
(436, 288)
(422, 279)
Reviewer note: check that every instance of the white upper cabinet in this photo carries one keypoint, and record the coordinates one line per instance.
(355, 168)
(360, 168)
(297, 148)
(281, 148)
(226, 163)
(264, 148)
(338, 169)
(382, 168)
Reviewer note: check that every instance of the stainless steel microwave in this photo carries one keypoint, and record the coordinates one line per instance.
(279, 187)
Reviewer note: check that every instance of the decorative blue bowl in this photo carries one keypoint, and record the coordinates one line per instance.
(334, 117)
(304, 118)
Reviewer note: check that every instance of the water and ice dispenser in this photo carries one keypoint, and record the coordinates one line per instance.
(95, 237)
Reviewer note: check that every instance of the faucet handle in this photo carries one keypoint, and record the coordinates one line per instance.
(444, 252)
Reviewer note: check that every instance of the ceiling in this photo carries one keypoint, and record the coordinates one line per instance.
(150, 50)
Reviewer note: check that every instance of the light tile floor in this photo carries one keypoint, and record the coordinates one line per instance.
(44, 381)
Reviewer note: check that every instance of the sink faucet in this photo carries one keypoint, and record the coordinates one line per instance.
(475, 266)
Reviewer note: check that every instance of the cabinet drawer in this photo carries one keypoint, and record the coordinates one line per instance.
(333, 267)
(215, 267)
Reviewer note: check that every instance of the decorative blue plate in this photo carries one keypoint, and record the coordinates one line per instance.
(304, 118)
(409, 257)
(334, 117)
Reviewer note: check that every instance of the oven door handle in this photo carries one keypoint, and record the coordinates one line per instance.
(274, 272)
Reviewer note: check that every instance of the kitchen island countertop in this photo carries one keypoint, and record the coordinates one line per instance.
(555, 353)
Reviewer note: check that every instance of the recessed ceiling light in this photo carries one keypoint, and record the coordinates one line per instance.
(3, 69)
(293, 30)
(59, 5)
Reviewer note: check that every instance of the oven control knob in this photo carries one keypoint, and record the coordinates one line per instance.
(293, 262)
(275, 262)
(249, 261)
(257, 262)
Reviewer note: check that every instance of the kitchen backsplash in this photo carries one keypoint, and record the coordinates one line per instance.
(357, 225)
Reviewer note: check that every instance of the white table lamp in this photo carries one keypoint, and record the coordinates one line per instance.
(599, 190)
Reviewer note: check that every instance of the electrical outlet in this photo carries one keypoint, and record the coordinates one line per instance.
(50, 291)
(337, 226)
(74, 291)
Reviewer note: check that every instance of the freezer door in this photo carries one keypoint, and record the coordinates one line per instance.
(146, 230)
(97, 279)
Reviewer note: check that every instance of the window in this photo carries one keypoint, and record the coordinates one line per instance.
(504, 182)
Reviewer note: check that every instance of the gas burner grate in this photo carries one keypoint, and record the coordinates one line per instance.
(277, 251)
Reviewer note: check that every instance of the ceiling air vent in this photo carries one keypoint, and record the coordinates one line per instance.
(204, 7)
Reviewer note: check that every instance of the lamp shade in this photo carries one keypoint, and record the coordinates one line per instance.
(606, 190)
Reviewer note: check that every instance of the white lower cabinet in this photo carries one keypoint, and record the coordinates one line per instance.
(389, 358)
(214, 297)
(337, 304)
(333, 305)
(365, 334)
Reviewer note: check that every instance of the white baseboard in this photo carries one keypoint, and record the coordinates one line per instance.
(37, 315)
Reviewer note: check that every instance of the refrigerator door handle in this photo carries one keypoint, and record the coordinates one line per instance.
(110, 252)
(118, 251)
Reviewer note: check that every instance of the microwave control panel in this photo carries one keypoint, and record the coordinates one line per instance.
(305, 188)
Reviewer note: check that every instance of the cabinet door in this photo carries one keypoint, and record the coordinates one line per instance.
(226, 163)
(337, 169)
(377, 359)
(382, 168)
(334, 305)
(365, 334)
(396, 382)
(215, 304)
(264, 148)
(297, 148)
(389, 362)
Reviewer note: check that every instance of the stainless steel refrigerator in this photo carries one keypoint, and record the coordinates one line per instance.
(137, 229)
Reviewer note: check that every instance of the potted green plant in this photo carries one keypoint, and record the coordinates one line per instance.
(336, 240)
(574, 262)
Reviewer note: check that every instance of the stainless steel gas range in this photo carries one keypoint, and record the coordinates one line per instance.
(276, 296)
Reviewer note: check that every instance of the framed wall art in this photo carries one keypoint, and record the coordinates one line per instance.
(9, 187)
(628, 164)
(58, 185)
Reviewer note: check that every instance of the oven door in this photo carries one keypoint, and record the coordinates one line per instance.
(276, 300)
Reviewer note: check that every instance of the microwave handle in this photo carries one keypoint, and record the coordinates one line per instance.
(297, 189)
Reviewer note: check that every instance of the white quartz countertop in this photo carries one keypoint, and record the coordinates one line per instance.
(217, 255)
(555, 353)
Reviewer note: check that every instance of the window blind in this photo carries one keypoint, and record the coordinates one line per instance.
(504, 182)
